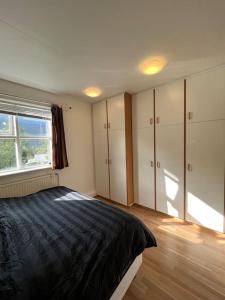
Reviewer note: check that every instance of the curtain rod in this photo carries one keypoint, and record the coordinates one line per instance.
(34, 101)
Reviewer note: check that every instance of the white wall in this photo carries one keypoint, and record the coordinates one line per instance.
(78, 130)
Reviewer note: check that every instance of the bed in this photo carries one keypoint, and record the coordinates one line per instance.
(59, 244)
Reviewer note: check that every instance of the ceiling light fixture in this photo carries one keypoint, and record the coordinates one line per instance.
(152, 65)
(93, 92)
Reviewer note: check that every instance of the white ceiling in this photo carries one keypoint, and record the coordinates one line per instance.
(64, 46)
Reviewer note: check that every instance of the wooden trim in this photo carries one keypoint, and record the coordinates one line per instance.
(107, 133)
(154, 112)
(147, 208)
(110, 201)
(156, 213)
(164, 215)
(185, 144)
(129, 148)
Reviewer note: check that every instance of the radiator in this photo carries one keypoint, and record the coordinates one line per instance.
(28, 186)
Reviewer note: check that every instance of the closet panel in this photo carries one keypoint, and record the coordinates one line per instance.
(116, 112)
(101, 163)
(99, 116)
(117, 163)
(170, 170)
(169, 103)
(113, 145)
(143, 149)
(205, 174)
(206, 96)
(143, 111)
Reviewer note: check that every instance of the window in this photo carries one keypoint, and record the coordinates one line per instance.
(25, 137)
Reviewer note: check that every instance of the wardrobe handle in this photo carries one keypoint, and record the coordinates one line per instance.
(151, 121)
(110, 161)
(152, 163)
(158, 164)
(189, 167)
(109, 125)
(190, 115)
(157, 120)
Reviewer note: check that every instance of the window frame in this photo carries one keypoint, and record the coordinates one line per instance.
(11, 126)
(20, 168)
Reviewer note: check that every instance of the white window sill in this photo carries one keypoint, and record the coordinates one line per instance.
(15, 172)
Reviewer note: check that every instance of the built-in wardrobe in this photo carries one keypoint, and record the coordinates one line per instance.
(112, 123)
(205, 156)
(158, 141)
(179, 148)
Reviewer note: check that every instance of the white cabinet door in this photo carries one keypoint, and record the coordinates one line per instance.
(206, 96)
(142, 109)
(170, 170)
(101, 165)
(99, 116)
(205, 180)
(169, 103)
(143, 154)
(117, 154)
(116, 113)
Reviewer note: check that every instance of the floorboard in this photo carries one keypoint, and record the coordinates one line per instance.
(189, 262)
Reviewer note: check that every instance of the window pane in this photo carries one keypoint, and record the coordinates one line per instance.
(35, 152)
(7, 154)
(33, 127)
(5, 124)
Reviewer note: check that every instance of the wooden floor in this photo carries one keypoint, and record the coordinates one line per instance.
(189, 262)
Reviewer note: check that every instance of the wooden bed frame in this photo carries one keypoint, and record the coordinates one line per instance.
(127, 279)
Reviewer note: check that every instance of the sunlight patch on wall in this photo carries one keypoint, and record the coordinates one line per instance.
(171, 185)
(203, 213)
(171, 210)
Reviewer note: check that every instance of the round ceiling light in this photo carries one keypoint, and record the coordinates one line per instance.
(93, 92)
(152, 65)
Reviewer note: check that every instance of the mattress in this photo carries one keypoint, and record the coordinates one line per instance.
(59, 244)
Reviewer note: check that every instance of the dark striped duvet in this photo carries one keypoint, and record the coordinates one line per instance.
(58, 244)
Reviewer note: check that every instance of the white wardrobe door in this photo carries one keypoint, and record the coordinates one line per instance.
(169, 102)
(143, 152)
(101, 165)
(205, 180)
(118, 187)
(206, 96)
(116, 113)
(99, 116)
(170, 172)
(142, 109)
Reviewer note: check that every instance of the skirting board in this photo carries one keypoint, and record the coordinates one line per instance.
(127, 279)
(91, 194)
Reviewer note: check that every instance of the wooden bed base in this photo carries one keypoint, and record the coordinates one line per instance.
(127, 279)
